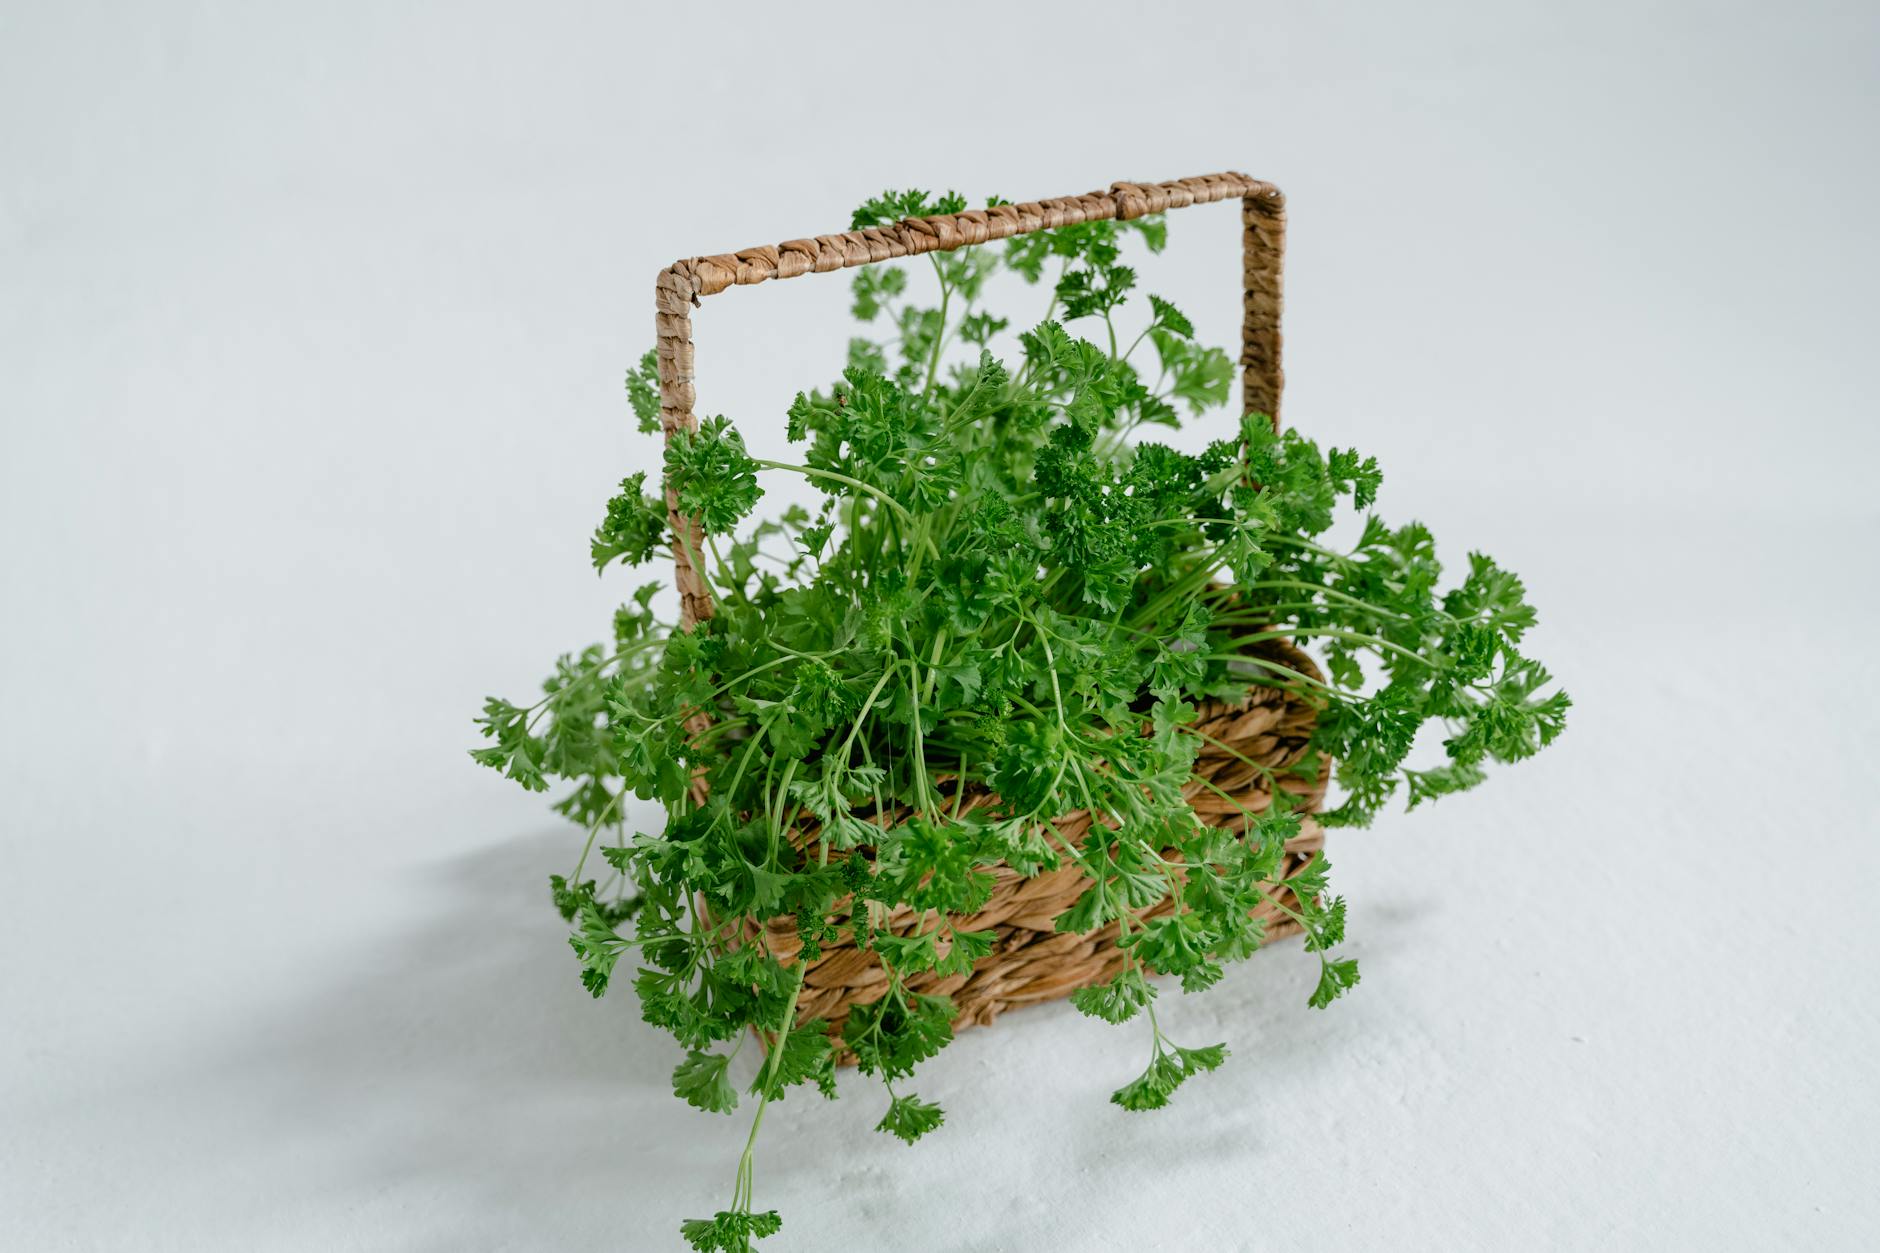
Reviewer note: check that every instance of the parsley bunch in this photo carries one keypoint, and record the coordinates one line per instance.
(1005, 590)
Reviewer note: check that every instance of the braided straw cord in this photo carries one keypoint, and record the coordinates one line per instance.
(1248, 747)
(683, 284)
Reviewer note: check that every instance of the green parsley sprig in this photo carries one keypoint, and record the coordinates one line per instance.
(1002, 586)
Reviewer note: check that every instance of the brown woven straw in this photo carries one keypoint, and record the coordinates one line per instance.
(1245, 745)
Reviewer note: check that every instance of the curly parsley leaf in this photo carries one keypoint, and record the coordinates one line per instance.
(1116, 1001)
(643, 393)
(634, 528)
(713, 475)
(729, 1231)
(1168, 1070)
(1335, 979)
(909, 1118)
(804, 1056)
(700, 1081)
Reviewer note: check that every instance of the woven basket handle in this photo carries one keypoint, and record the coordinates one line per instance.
(682, 284)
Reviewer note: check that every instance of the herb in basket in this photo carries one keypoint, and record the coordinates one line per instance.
(1020, 648)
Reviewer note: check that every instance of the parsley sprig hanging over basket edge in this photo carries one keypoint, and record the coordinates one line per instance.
(1010, 606)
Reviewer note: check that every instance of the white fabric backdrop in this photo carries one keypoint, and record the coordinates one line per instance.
(312, 321)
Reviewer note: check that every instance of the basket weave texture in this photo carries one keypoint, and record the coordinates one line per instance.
(1031, 961)
(1246, 744)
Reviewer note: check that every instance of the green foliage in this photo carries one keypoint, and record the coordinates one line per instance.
(897, 1033)
(700, 1082)
(634, 526)
(1169, 1067)
(1006, 588)
(1118, 1000)
(643, 393)
(597, 944)
(909, 1118)
(730, 1231)
(895, 206)
(1335, 979)
(713, 475)
(804, 1056)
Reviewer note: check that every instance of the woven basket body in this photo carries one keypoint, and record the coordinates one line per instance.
(1261, 737)
(1031, 960)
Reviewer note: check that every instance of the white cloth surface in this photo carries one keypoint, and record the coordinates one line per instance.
(312, 322)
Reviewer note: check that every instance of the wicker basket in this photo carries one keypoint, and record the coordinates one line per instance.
(1030, 961)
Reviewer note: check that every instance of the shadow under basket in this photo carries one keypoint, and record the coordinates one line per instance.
(1031, 961)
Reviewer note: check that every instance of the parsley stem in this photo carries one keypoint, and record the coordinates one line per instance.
(915, 747)
(946, 297)
(1264, 664)
(752, 673)
(1368, 640)
(575, 878)
(773, 1055)
(1137, 342)
(1281, 886)
(811, 472)
(1262, 614)
(1346, 597)
(738, 776)
(842, 755)
(1180, 589)
(1251, 817)
(541, 706)
(1057, 695)
(1155, 1033)
(776, 818)
(933, 662)
(1294, 542)
(1271, 778)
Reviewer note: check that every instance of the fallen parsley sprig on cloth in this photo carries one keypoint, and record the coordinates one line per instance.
(1004, 585)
